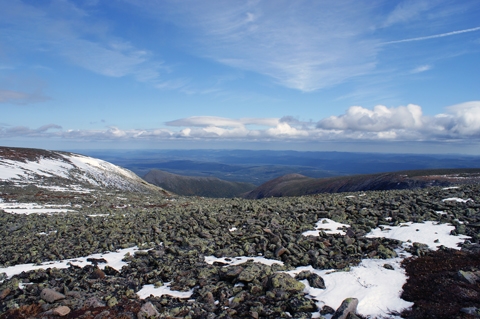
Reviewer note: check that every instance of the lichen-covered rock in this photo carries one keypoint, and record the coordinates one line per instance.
(347, 307)
(285, 282)
(254, 272)
(313, 279)
(301, 304)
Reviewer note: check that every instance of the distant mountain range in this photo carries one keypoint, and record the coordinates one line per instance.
(298, 185)
(197, 186)
(258, 167)
(66, 171)
(53, 170)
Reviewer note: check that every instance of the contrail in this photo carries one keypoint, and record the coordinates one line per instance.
(434, 36)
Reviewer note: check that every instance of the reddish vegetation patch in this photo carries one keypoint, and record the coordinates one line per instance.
(26, 154)
(436, 288)
(126, 309)
(27, 311)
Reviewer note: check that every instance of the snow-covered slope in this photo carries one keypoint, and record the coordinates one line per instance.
(64, 171)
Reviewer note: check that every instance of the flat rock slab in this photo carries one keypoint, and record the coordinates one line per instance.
(50, 295)
(61, 311)
(148, 310)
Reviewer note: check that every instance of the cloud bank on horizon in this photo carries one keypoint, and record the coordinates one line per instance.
(132, 70)
(403, 123)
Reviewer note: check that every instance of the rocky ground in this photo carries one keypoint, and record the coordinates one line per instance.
(176, 233)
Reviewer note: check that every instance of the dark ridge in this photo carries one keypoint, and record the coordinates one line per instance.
(196, 185)
(299, 185)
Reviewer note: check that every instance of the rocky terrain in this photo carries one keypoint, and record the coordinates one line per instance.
(189, 257)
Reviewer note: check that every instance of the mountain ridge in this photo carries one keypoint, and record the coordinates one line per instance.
(65, 171)
(299, 185)
(197, 185)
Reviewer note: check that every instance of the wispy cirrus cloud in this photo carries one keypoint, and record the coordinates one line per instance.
(301, 45)
(48, 130)
(421, 68)
(207, 121)
(63, 29)
(22, 98)
(407, 11)
(435, 36)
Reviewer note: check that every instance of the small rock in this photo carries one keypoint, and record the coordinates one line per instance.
(347, 240)
(280, 251)
(327, 310)
(93, 303)
(97, 274)
(73, 294)
(388, 266)
(61, 311)
(110, 271)
(314, 280)
(112, 302)
(5, 292)
(301, 305)
(348, 306)
(231, 272)
(285, 282)
(148, 310)
(50, 295)
(474, 311)
(468, 276)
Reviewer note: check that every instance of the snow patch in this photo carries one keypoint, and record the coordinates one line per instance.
(151, 290)
(377, 289)
(231, 261)
(33, 208)
(456, 199)
(328, 226)
(114, 260)
(428, 233)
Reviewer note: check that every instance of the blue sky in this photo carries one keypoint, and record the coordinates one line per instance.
(392, 76)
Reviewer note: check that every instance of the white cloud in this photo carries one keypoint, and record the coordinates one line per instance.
(214, 121)
(283, 129)
(462, 120)
(459, 123)
(381, 118)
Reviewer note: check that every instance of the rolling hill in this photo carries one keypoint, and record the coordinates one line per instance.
(298, 185)
(197, 186)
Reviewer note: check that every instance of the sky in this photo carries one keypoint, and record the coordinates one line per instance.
(385, 76)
